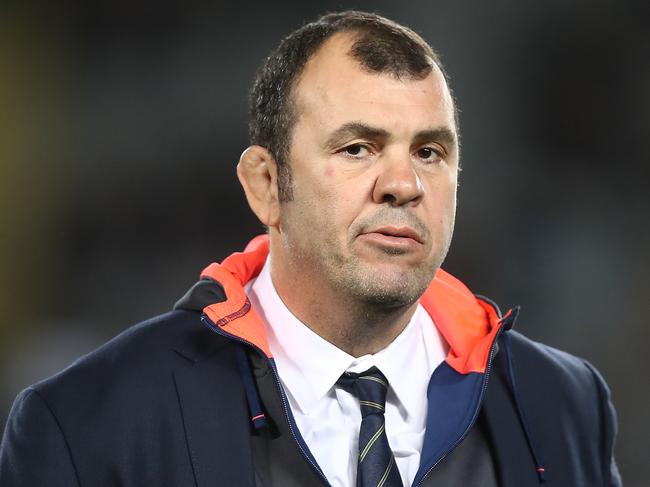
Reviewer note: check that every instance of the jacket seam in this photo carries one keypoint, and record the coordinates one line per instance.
(606, 447)
(186, 434)
(60, 428)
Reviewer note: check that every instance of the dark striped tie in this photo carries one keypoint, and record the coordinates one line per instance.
(377, 467)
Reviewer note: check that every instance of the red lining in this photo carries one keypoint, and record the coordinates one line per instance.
(468, 325)
(232, 274)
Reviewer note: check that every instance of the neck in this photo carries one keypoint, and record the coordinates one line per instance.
(357, 328)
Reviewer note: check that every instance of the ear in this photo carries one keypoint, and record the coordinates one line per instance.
(258, 174)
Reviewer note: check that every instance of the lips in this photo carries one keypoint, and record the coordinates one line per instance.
(397, 232)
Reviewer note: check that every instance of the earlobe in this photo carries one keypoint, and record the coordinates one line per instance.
(258, 175)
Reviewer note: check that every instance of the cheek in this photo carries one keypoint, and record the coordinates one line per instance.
(334, 198)
(442, 204)
(451, 197)
(339, 206)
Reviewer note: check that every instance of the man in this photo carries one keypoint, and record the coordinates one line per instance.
(333, 351)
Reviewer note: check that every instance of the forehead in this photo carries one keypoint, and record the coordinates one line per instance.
(334, 87)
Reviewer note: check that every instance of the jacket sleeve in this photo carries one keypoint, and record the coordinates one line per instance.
(34, 451)
(609, 429)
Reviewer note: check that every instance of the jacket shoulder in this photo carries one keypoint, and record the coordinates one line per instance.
(568, 404)
(132, 365)
(112, 415)
(554, 364)
(555, 376)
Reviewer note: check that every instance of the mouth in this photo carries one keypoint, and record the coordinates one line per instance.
(390, 236)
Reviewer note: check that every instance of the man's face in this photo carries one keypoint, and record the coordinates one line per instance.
(374, 162)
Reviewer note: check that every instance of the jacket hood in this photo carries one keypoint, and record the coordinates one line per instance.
(469, 324)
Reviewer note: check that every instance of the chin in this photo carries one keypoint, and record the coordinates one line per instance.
(392, 297)
(392, 288)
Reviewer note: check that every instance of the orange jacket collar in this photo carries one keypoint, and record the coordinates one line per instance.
(468, 324)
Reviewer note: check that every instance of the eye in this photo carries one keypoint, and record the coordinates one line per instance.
(356, 151)
(429, 154)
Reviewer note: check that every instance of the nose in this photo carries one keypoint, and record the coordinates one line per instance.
(398, 183)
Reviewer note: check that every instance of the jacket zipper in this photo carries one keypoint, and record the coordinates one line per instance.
(285, 407)
(486, 376)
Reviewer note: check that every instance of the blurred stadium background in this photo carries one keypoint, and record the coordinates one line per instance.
(121, 123)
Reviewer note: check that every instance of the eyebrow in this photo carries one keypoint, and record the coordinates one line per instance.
(353, 130)
(438, 134)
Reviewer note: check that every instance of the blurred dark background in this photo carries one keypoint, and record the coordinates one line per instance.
(121, 123)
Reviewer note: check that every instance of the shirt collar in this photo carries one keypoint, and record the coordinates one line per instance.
(400, 356)
(309, 365)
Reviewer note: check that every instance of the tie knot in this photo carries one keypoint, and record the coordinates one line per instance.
(370, 387)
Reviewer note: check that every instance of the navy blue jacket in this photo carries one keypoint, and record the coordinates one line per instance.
(169, 402)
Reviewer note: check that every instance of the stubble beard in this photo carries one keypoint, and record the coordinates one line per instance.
(347, 275)
(400, 286)
(374, 290)
(360, 284)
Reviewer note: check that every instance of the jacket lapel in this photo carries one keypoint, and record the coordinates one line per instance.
(216, 420)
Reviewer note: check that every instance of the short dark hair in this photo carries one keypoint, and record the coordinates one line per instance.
(380, 46)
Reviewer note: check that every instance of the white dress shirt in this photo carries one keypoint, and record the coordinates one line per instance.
(328, 417)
